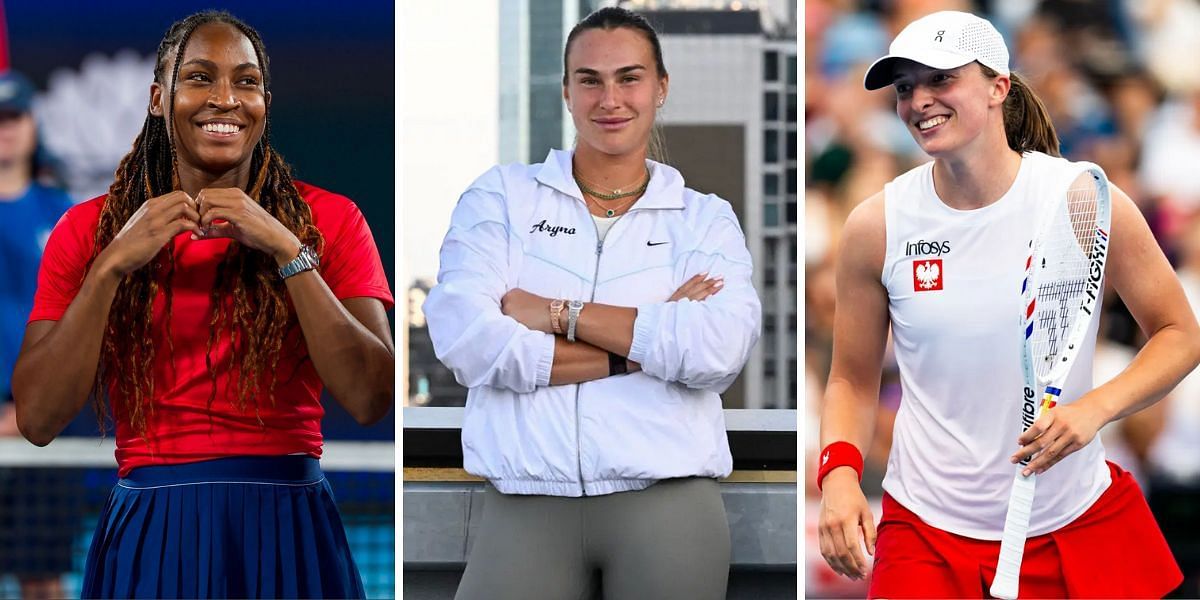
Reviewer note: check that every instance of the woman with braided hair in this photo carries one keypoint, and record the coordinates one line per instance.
(205, 300)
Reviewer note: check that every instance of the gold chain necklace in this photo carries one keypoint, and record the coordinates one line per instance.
(608, 212)
(617, 193)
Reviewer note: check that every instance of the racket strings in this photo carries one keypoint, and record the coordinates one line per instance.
(1054, 318)
(1063, 263)
(1061, 290)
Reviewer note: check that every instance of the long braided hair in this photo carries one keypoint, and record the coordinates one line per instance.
(248, 300)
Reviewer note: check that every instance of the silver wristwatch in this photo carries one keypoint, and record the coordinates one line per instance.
(307, 261)
(573, 308)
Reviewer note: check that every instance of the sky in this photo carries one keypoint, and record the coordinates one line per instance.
(449, 131)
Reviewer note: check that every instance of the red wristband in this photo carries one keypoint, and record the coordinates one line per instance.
(839, 454)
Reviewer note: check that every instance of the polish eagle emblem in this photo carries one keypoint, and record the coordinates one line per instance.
(928, 274)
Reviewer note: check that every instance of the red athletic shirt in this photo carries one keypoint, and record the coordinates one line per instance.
(182, 427)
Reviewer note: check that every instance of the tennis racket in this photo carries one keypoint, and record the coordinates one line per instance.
(1061, 290)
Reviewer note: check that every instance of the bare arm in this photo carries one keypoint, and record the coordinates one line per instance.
(586, 359)
(611, 327)
(580, 362)
(860, 330)
(701, 343)
(58, 359)
(1140, 273)
(852, 393)
(350, 343)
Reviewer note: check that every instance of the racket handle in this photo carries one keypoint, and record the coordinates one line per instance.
(1012, 545)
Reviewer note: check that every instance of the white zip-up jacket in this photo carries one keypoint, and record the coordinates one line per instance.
(528, 227)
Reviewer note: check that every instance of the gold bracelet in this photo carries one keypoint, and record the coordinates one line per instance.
(556, 308)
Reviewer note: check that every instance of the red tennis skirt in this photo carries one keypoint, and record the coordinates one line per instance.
(1113, 550)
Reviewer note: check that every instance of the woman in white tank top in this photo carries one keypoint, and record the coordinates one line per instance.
(938, 256)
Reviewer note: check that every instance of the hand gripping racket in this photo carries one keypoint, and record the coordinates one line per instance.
(1062, 289)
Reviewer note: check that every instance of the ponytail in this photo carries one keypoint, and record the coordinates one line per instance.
(1027, 124)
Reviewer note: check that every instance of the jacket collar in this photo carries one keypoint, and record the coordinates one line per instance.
(664, 191)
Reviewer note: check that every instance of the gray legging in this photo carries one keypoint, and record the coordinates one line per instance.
(670, 540)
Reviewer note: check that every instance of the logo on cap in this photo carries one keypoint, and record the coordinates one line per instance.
(958, 38)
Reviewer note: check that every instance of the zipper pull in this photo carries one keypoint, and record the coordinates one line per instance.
(599, 247)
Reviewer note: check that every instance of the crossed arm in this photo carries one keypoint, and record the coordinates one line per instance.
(601, 329)
(490, 334)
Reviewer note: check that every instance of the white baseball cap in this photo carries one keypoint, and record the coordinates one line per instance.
(943, 40)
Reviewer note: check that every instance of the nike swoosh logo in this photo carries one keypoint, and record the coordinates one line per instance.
(656, 243)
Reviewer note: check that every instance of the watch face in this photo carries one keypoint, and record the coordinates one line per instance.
(306, 260)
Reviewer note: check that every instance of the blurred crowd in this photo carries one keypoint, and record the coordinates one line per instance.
(1122, 84)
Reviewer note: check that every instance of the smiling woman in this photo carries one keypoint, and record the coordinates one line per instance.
(934, 261)
(219, 105)
(596, 308)
(205, 301)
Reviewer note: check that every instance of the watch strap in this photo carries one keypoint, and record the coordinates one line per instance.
(616, 364)
(574, 307)
(307, 260)
(556, 308)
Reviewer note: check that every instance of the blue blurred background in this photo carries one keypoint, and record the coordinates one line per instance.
(333, 119)
(332, 108)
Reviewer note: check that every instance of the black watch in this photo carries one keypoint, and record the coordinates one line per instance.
(616, 364)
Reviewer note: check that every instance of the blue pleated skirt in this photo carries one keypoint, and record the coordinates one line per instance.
(241, 527)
